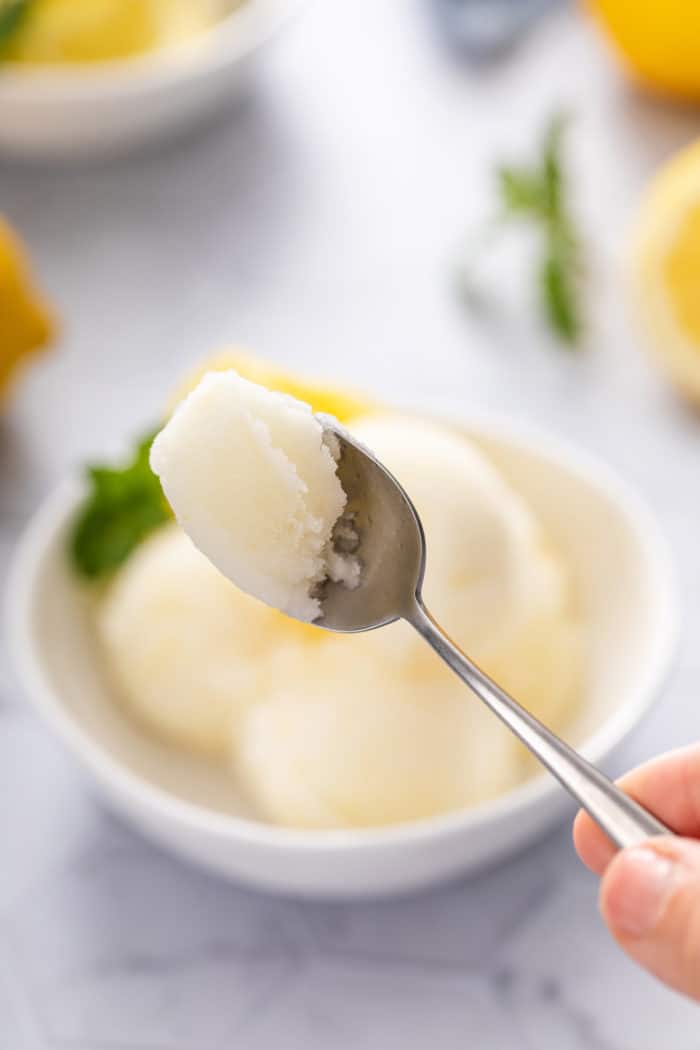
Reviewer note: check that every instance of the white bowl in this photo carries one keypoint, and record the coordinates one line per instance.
(622, 571)
(73, 110)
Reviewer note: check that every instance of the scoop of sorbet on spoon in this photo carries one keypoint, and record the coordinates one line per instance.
(303, 517)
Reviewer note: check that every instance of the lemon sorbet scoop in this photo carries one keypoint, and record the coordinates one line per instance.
(253, 482)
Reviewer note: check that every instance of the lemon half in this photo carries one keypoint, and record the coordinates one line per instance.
(25, 321)
(666, 269)
(657, 40)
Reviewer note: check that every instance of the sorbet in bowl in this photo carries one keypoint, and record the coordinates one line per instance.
(300, 760)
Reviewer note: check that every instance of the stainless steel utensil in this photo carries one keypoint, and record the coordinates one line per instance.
(392, 551)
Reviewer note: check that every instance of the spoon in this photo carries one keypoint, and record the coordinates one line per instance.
(392, 552)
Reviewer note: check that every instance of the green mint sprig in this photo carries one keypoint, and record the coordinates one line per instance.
(123, 505)
(537, 194)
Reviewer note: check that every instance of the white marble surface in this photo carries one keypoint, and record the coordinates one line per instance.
(319, 224)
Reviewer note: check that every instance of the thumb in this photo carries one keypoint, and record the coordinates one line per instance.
(650, 900)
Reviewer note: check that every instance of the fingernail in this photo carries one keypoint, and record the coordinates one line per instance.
(641, 883)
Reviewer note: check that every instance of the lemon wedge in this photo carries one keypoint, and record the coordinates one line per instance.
(323, 397)
(657, 40)
(25, 322)
(665, 264)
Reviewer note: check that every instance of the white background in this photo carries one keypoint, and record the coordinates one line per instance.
(320, 224)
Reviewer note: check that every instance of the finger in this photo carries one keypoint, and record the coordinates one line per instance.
(668, 786)
(650, 900)
(592, 845)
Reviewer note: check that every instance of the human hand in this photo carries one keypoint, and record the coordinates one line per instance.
(650, 894)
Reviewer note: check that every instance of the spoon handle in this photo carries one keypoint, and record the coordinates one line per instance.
(624, 821)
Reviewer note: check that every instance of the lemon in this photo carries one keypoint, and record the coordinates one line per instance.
(323, 397)
(658, 41)
(100, 30)
(25, 322)
(665, 267)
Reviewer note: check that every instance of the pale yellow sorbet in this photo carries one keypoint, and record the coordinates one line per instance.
(373, 729)
(252, 480)
(185, 648)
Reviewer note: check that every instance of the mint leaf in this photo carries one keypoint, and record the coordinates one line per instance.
(559, 299)
(12, 16)
(122, 507)
(537, 194)
(552, 172)
(521, 191)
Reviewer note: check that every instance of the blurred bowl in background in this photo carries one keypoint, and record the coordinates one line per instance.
(623, 577)
(66, 111)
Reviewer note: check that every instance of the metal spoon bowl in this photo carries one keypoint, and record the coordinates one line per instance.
(392, 550)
